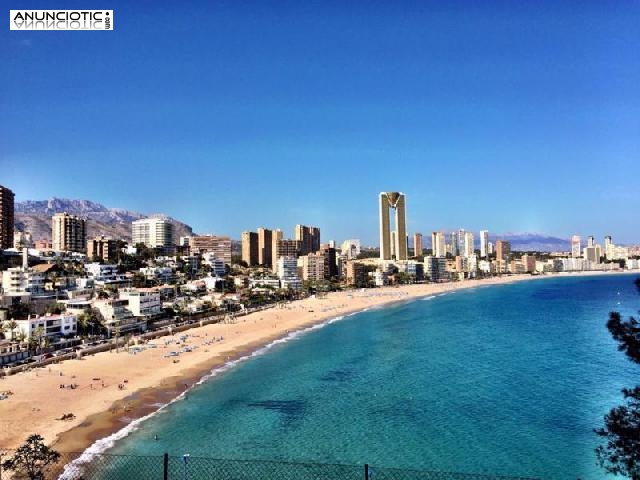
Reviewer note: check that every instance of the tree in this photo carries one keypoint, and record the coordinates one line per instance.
(32, 458)
(83, 323)
(621, 453)
(55, 308)
(13, 326)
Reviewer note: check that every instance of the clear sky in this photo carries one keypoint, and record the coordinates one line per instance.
(511, 116)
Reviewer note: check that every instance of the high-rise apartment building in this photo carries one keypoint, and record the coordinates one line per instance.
(276, 235)
(219, 246)
(528, 263)
(101, 247)
(265, 247)
(454, 246)
(286, 248)
(484, 243)
(152, 232)
(330, 264)
(309, 238)
(313, 266)
(591, 242)
(460, 239)
(287, 271)
(417, 244)
(503, 250)
(576, 249)
(468, 249)
(250, 248)
(356, 274)
(69, 233)
(6, 217)
(438, 244)
(608, 247)
(397, 201)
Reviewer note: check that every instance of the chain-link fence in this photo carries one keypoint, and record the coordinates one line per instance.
(75, 466)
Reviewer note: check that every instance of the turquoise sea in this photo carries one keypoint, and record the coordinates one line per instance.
(508, 380)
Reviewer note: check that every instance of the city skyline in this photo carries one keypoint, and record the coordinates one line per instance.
(509, 117)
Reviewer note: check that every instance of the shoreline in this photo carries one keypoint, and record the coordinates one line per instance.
(152, 380)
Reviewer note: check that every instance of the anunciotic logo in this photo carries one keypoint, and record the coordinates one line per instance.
(61, 19)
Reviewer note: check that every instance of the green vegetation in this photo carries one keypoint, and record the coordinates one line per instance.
(32, 458)
(621, 453)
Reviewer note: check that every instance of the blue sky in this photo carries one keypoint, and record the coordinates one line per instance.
(511, 116)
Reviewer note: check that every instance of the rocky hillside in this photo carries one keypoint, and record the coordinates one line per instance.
(35, 216)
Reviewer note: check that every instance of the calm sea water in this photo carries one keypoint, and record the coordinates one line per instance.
(505, 379)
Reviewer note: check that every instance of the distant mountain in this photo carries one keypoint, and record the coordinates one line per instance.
(538, 242)
(35, 216)
(523, 242)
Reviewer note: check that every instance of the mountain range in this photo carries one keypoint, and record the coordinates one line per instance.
(35, 216)
(532, 242)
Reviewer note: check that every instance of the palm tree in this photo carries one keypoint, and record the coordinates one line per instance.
(13, 326)
(4, 328)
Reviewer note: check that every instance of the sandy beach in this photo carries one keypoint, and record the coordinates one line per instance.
(110, 389)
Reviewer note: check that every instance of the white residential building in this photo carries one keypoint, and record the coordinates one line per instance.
(287, 268)
(161, 274)
(484, 243)
(104, 273)
(217, 264)
(575, 246)
(438, 244)
(143, 302)
(22, 280)
(153, 232)
(116, 316)
(53, 326)
(468, 249)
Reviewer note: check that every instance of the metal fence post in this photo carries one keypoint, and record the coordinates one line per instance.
(165, 469)
(366, 471)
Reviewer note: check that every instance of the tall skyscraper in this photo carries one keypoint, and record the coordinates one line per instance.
(395, 200)
(417, 244)
(265, 247)
(153, 232)
(309, 238)
(455, 246)
(69, 233)
(608, 247)
(576, 249)
(6, 217)
(276, 235)
(469, 245)
(484, 243)
(438, 244)
(250, 248)
(591, 242)
(503, 249)
(461, 233)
